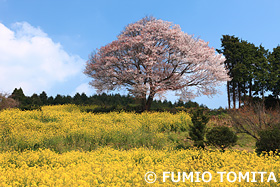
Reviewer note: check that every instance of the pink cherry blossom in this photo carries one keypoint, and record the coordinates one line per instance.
(153, 56)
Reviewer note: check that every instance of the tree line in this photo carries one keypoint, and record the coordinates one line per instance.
(254, 72)
(98, 102)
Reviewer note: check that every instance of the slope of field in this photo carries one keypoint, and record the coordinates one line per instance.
(62, 128)
(61, 146)
(110, 167)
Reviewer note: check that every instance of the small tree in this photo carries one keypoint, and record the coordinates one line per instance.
(197, 129)
(153, 56)
(221, 137)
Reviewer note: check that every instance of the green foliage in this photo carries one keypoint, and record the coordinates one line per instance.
(221, 137)
(19, 96)
(101, 103)
(274, 81)
(197, 130)
(250, 68)
(269, 140)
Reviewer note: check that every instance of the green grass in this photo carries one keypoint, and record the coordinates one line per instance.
(245, 142)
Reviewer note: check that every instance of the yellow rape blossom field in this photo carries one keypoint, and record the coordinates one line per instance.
(61, 146)
(110, 167)
(64, 128)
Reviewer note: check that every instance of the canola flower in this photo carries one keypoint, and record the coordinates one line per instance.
(62, 146)
(110, 167)
(64, 127)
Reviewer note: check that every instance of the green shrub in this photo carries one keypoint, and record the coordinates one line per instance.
(269, 140)
(221, 137)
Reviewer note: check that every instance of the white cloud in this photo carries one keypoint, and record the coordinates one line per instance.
(85, 88)
(31, 60)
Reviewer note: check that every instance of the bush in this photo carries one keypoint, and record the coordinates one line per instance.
(221, 137)
(269, 140)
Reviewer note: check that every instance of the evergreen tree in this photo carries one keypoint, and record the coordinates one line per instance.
(50, 100)
(36, 100)
(198, 128)
(230, 50)
(84, 98)
(247, 66)
(44, 98)
(261, 72)
(67, 99)
(77, 99)
(274, 78)
(19, 96)
(58, 100)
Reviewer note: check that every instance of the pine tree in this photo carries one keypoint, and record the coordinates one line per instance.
(84, 98)
(197, 129)
(274, 78)
(44, 98)
(261, 73)
(36, 100)
(230, 50)
(77, 99)
(58, 100)
(19, 96)
(247, 67)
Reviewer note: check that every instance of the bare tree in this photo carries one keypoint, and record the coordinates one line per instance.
(253, 118)
(6, 102)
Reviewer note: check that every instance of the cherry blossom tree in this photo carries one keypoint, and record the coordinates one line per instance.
(152, 56)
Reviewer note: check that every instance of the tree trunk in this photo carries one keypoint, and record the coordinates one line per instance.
(263, 100)
(148, 104)
(228, 94)
(234, 95)
(244, 94)
(143, 103)
(250, 89)
(239, 95)
(262, 94)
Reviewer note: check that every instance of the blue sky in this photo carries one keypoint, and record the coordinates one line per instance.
(44, 44)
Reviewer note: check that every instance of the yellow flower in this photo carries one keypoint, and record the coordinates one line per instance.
(49, 148)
